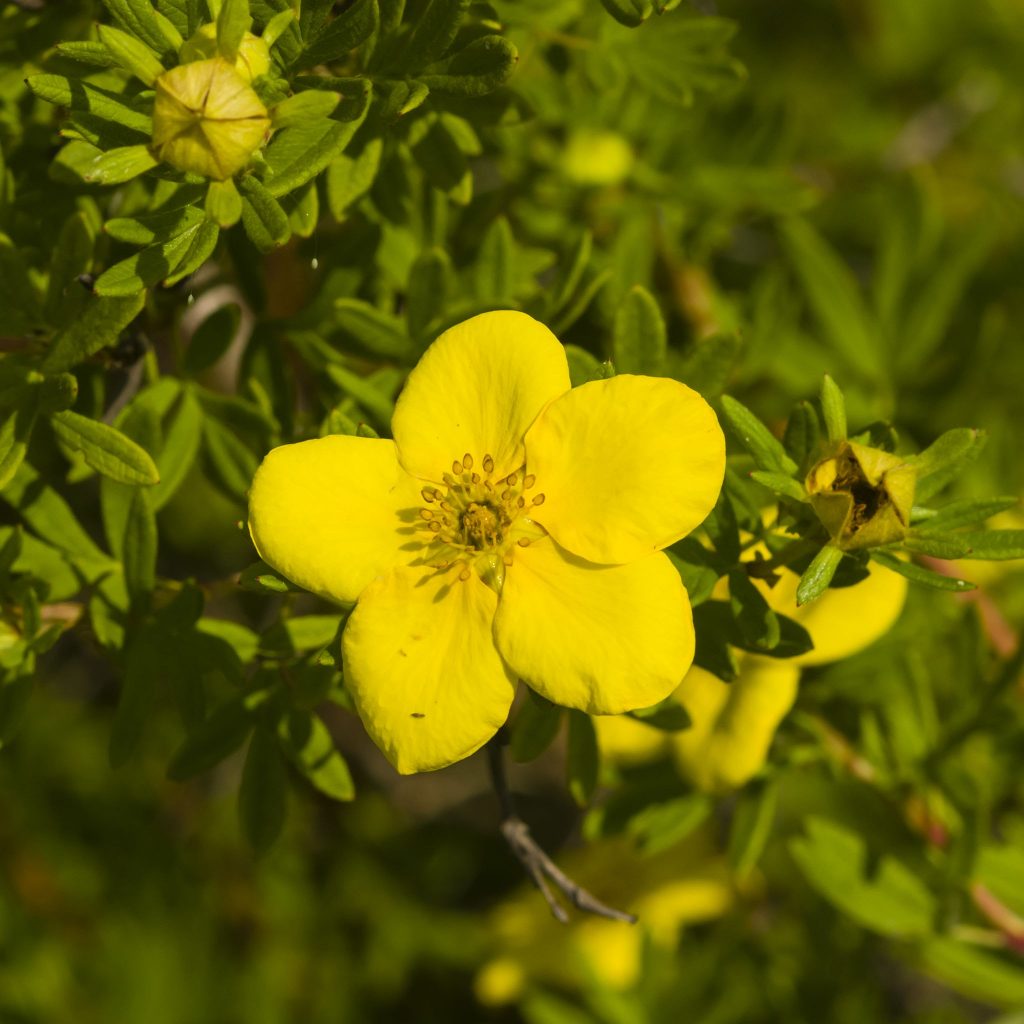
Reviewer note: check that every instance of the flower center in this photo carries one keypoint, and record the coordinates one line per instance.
(478, 521)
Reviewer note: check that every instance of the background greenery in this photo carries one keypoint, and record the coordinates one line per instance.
(837, 189)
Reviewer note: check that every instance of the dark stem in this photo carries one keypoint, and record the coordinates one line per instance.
(539, 866)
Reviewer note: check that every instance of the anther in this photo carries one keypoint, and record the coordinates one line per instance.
(488, 464)
(475, 478)
(447, 507)
(429, 494)
(523, 542)
(538, 499)
(528, 481)
(505, 495)
(467, 461)
(507, 558)
(425, 513)
(456, 468)
(435, 526)
(520, 501)
(511, 479)
(464, 575)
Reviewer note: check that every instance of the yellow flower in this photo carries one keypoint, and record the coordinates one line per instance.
(512, 530)
(733, 724)
(207, 119)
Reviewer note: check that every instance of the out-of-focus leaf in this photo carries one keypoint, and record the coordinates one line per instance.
(534, 728)
(263, 795)
(583, 760)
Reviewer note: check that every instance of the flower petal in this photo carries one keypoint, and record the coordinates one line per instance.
(477, 389)
(601, 638)
(421, 666)
(844, 620)
(627, 466)
(732, 724)
(334, 513)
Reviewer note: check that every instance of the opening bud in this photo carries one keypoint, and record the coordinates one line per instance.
(862, 495)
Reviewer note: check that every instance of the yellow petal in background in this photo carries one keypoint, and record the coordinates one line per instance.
(421, 666)
(604, 639)
(477, 389)
(624, 740)
(733, 724)
(334, 513)
(844, 620)
(627, 466)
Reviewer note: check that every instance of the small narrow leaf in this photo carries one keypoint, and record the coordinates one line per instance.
(767, 451)
(639, 341)
(919, 574)
(583, 759)
(134, 56)
(139, 547)
(106, 449)
(818, 575)
(263, 795)
(535, 726)
(833, 409)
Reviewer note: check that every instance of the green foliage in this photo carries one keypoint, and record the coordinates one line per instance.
(818, 230)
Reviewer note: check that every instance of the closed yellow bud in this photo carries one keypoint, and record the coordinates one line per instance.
(207, 119)
(253, 57)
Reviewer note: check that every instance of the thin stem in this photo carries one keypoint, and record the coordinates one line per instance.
(539, 866)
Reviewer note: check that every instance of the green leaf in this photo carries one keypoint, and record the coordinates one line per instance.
(630, 13)
(494, 273)
(944, 459)
(767, 451)
(976, 973)
(123, 164)
(640, 340)
(349, 29)
(834, 297)
(757, 623)
(310, 746)
(263, 795)
(215, 739)
(264, 220)
(139, 547)
(298, 154)
(370, 398)
(179, 449)
(136, 17)
(376, 331)
(752, 825)
(803, 433)
(15, 433)
(667, 715)
(152, 228)
(232, 462)
(833, 409)
(938, 545)
(919, 574)
(660, 826)
(142, 667)
(993, 545)
(199, 250)
(818, 575)
(964, 512)
(97, 327)
(892, 900)
(81, 96)
(106, 449)
(780, 484)
(427, 293)
(348, 178)
(534, 728)
(233, 22)
(706, 369)
(583, 760)
(478, 69)
(313, 104)
(132, 54)
(433, 32)
(260, 577)
(212, 338)
(72, 257)
(168, 261)
(223, 203)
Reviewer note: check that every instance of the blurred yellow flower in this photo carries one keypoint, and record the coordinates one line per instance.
(512, 530)
(733, 724)
(206, 119)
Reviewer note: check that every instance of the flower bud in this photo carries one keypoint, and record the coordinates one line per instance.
(207, 119)
(253, 57)
(862, 495)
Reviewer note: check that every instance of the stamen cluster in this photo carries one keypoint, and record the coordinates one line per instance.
(473, 520)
